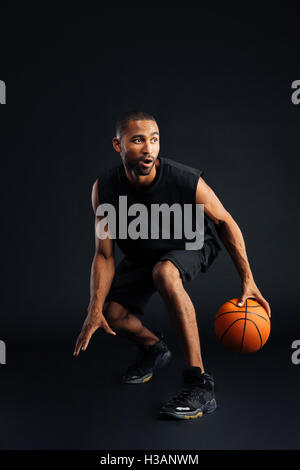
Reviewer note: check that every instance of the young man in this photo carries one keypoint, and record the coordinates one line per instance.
(162, 263)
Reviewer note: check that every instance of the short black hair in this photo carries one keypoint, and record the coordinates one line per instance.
(122, 120)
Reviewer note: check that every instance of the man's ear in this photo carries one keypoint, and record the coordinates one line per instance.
(117, 144)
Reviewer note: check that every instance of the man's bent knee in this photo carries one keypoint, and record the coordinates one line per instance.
(166, 275)
(114, 312)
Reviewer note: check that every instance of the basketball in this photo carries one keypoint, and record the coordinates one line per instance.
(242, 329)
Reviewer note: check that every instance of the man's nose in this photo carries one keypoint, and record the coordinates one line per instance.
(147, 148)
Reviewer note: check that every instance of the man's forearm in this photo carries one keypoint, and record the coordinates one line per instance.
(231, 235)
(102, 273)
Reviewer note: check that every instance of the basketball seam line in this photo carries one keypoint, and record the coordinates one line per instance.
(248, 319)
(244, 329)
(242, 311)
(222, 337)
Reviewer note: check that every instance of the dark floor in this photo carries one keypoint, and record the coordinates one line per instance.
(51, 400)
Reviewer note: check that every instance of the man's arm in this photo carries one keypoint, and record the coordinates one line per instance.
(102, 273)
(103, 266)
(231, 235)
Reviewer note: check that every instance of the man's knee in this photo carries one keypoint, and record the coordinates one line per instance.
(166, 275)
(114, 312)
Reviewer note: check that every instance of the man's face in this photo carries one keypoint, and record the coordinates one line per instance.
(139, 146)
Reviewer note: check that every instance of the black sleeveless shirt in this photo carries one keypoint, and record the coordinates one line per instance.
(175, 183)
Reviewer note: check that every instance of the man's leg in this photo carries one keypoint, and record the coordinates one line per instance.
(169, 284)
(154, 353)
(127, 325)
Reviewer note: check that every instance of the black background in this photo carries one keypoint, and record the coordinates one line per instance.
(218, 79)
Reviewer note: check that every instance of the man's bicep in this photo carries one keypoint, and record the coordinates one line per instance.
(213, 207)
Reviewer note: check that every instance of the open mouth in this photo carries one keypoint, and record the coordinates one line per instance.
(147, 162)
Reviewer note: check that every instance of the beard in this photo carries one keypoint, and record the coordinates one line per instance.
(139, 170)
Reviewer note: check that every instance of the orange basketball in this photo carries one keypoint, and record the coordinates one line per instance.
(242, 329)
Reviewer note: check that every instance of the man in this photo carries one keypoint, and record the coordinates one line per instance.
(119, 295)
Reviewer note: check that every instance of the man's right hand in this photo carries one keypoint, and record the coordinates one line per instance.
(94, 320)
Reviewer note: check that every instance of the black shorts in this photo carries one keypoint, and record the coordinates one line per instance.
(132, 285)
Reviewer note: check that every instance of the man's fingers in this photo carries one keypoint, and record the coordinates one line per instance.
(107, 328)
(86, 334)
(261, 300)
(77, 346)
(87, 340)
(80, 341)
(266, 305)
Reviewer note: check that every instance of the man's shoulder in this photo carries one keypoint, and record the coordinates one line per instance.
(182, 168)
(108, 183)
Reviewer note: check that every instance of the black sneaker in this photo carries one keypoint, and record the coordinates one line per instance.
(148, 360)
(196, 398)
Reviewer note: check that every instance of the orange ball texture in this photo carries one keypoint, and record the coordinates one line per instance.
(242, 329)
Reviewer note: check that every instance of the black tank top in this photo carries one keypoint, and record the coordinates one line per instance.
(175, 183)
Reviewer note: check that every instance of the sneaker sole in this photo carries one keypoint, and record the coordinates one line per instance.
(209, 407)
(163, 361)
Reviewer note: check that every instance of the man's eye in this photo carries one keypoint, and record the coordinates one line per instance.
(139, 140)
